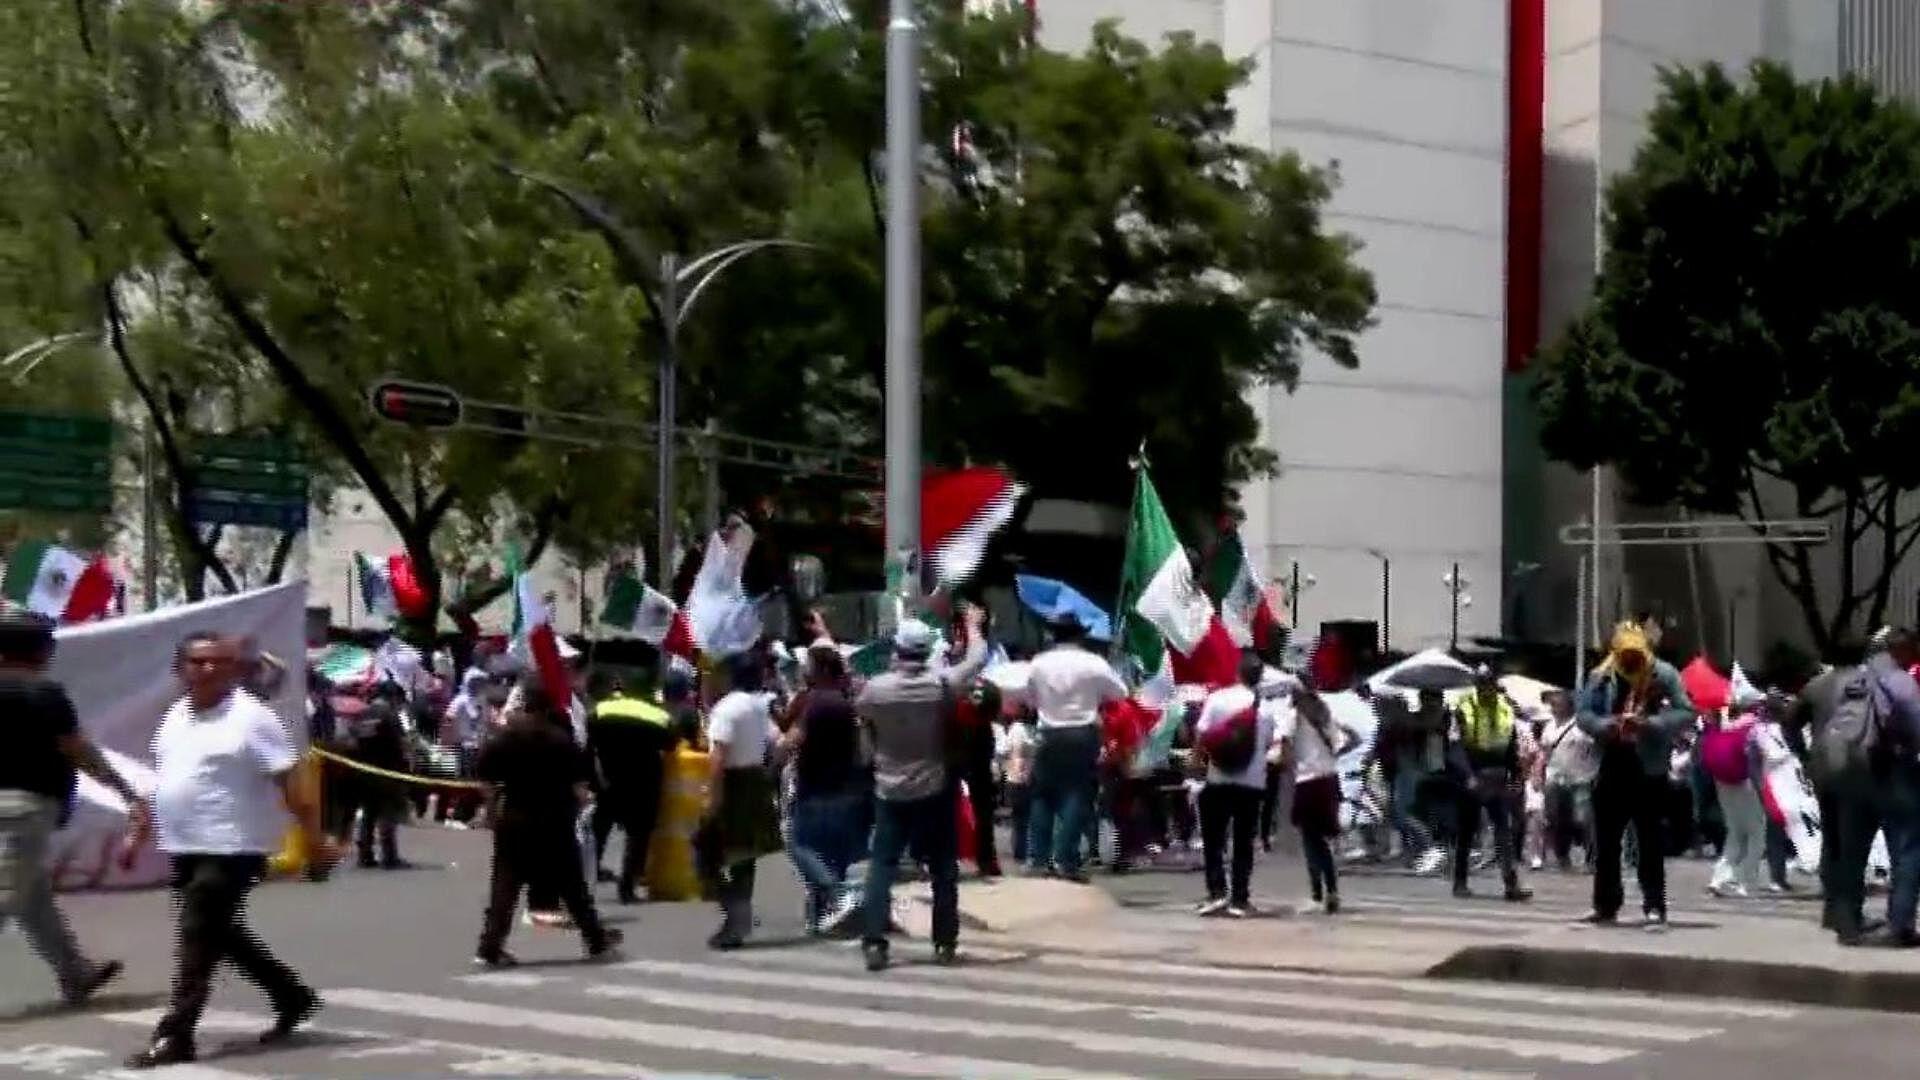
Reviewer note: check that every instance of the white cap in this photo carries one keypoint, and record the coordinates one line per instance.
(913, 638)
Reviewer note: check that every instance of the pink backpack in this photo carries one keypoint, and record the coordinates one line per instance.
(1723, 751)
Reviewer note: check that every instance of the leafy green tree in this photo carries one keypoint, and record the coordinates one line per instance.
(1753, 346)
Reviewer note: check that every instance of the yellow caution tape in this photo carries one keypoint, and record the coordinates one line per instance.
(389, 774)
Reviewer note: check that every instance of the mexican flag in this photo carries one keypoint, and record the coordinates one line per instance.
(647, 613)
(54, 582)
(1245, 608)
(722, 618)
(960, 511)
(376, 587)
(1166, 618)
(533, 624)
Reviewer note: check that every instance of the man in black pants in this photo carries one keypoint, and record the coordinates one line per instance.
(630, 737)
(1633, 706)
(539, 779)
(222, 763)
(1230, 803)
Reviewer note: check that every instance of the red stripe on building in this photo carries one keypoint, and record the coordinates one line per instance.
(1526, 127)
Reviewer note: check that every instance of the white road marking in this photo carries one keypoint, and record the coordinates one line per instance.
(1450, 988)
(1438, 1013)
(688, 1038)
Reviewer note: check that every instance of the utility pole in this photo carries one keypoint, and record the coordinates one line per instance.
(903, 294)
(663, 461)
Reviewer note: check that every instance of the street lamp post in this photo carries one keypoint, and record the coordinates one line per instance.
(1386, 599)
(681, 286)
(903, 290)
(1456, 584)
(1297, 583)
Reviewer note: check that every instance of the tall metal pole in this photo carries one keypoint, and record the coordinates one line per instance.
(149, 522)
(1593, 556)
(1293, 601)
(1580, 628)
(1386, 604)
(903, 286)
(669, 379)
(1453, 586)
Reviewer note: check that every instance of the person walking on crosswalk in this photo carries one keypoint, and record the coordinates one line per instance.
(908, 714)
(630, 738)
(1485, 747)
(1633, 706)
(742, 821)
(223, 765)
(1313, 740)
(45, 748)
(539, 781)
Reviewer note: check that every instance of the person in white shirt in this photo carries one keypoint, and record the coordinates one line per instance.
(1234, 732)
(1068, 684)
(223, 763)
(741, 820)
(1314, 740)
(1571, 764)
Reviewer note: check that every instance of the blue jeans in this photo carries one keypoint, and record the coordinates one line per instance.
(1415, 837)
(927, 827)
(1902, 823)
(1064, 783)
(825, 840)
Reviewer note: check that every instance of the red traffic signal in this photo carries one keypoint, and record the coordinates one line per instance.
(416, 404)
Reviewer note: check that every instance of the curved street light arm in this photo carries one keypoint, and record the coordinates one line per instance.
(700, 273)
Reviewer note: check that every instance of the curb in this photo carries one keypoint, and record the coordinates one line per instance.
(1878, 991)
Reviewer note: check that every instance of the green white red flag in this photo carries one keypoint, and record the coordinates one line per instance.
(54, 582)
(533, 625)
(647, 613)
(1246, 604)
(1166, 619)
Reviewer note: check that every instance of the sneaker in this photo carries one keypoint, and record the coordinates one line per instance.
(1215, 906)
(1596, 918)
(1333, 903)
(875, 953)
(1536, 864)
(725, 941)
(162, 1053)
(1462, 892)
(1654, 923)
(1518, 894)
(844, 909)
(97, 979)
(1430, 862)
(496, 961)
(1240, 911)
(287, 1019)
(946, 955)
(1779, 888)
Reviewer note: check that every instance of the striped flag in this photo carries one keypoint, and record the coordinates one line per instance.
(648, 614)
(533, 626)
(54, 582)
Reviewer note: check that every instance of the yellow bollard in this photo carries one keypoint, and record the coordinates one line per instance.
(671, 874)
(291, 860)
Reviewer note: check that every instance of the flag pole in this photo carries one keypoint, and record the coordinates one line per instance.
(1137, 463)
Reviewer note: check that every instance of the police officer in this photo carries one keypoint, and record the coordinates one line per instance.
(630, 737)
(1485, 754)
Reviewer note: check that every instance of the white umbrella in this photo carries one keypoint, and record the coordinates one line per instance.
(1432, 669)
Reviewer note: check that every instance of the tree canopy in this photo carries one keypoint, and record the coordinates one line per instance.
(268, 207)
(1751, 346)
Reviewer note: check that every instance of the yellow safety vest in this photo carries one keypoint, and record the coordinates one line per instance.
(1486, 734)
(632, 710)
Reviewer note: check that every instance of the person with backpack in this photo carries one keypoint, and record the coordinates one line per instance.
(1233, 733)
(1726, 753)
(1485, 752)
(1069, 683)
(1864, 725)
(1633, 706)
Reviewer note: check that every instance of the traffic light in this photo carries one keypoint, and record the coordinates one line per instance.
(416, 404)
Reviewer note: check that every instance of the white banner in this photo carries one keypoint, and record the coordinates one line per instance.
(120, 676)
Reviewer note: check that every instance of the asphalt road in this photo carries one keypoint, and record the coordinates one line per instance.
(390, 953)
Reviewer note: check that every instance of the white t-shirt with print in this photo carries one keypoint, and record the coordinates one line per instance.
(1224, 704)
(741, 721)
(214, 789)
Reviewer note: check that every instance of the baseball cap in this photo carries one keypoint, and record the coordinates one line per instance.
(913, 638)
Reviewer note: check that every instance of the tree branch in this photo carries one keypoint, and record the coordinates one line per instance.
(545, 520)
(282, 550)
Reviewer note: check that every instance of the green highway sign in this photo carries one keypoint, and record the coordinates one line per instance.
(247, 480)
(55, 461)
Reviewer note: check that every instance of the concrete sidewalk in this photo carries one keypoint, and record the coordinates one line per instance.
(1397, 926)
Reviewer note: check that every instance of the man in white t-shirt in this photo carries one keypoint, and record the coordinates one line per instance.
(1068, 683)
(1230, 802)
(223, 762)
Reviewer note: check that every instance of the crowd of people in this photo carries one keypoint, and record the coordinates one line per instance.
(915, 766)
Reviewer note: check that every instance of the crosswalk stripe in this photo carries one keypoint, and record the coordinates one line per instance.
(686, 1037)
(1438, 1013)
(1571, 999)
(1282, 1024)
(466, 1058)
(1093, 1041)
(47, 1059)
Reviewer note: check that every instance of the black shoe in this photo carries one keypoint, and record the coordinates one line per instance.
(724, 940)
(162, 1053)
(876, 955)
(1517, 895)
(288, 1018)
(1333, 903)
(1078, 877)
(609, 946)
(94, 981)
(1461, 892)
(627, 897)
(395, 862)
(495, 961)
(946, 955)
(604, 877)
(1599, 918)
(368, 862)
